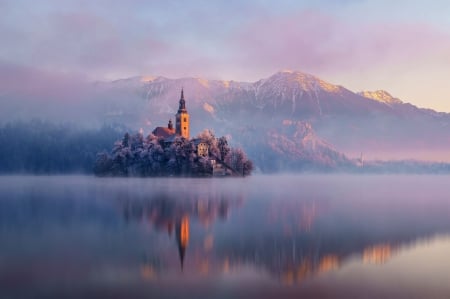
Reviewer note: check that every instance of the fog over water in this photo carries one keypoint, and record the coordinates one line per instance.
(287, 236)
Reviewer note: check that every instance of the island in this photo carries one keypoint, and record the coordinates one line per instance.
(170, 151)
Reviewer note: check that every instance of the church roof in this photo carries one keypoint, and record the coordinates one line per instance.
(163, 132)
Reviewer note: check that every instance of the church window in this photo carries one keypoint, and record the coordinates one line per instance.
(185, 119)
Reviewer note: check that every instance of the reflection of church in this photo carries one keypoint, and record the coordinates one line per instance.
(182, 236)
(182, 129)
(173, 215)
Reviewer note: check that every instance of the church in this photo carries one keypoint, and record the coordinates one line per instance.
(181, 129)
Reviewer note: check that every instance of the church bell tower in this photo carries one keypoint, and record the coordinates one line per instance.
(182, 119)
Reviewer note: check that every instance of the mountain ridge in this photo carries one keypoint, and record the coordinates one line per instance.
(309, 84)
(269, 117)
(373, 122)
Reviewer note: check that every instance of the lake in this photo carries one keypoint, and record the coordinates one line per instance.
(287, 236)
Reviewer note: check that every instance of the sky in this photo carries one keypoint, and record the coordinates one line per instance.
(399, 46)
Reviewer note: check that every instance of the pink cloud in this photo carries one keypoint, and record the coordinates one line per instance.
(315, 41)
(27, 92)
(38, 85)
(81, 41)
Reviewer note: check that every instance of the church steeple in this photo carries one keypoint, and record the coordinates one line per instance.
(182, 106)
(182, 118)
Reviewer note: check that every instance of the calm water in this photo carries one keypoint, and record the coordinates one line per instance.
(258, 237)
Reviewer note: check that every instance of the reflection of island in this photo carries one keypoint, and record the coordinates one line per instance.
(171, 213)
(293, 240)
(301, 239)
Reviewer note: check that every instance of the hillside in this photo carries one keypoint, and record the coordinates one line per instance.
(374, 123)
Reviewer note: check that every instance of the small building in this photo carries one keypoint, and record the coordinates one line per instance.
(202, 147)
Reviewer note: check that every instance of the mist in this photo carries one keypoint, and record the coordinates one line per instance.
(35, 94)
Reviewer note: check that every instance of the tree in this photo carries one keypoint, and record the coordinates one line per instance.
(136, 141)
(224, 149)
(135, 155)
(204, 167)
(238, 161)
(247, 167)
(125, 140)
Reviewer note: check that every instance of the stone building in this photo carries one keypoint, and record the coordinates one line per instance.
(202, 147)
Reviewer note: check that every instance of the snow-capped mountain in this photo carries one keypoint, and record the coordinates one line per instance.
(286, 93)
(374, 123)
(381, 96)
(285, 118)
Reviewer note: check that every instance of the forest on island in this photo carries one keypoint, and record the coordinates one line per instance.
(136, 155)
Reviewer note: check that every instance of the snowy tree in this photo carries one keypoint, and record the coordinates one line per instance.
(224, 149)
(136, 141)
(238, 161)
(204, 167)
(247, 167)
(135, 155)
(125, 140)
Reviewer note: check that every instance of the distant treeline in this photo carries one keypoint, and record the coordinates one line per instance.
(405, 167)
(41, 147)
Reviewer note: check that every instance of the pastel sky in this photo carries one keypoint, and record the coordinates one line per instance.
(400, 46)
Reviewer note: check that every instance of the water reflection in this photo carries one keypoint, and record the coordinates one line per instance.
(378, 254)
(168, 212)
(291, 238)
(260, 233)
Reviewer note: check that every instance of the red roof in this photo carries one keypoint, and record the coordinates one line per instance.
(163, 132)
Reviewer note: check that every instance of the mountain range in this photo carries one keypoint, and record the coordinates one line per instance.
(290, 120)
(292, 115)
